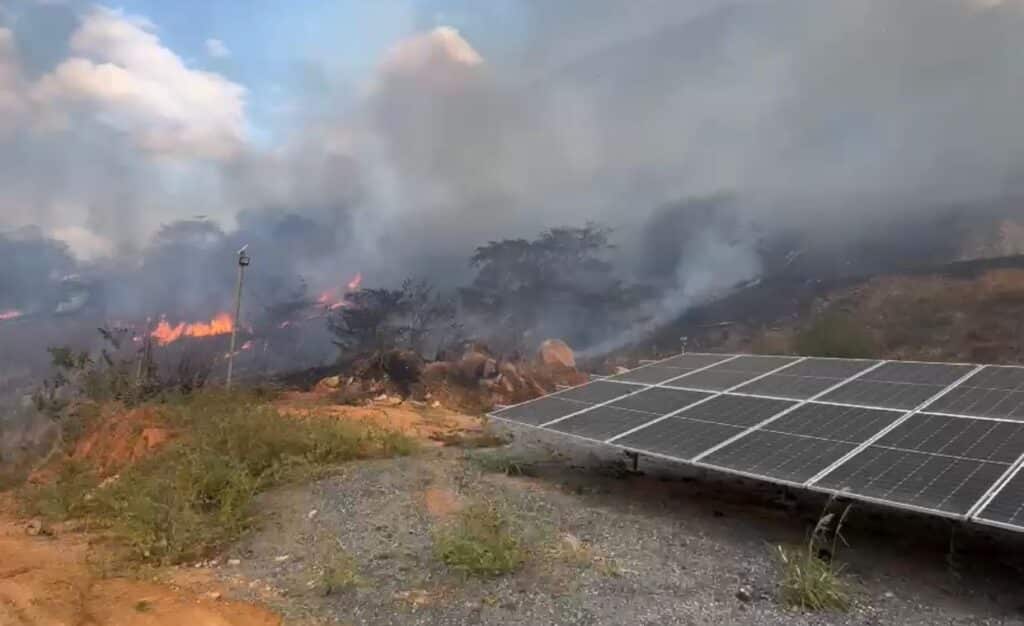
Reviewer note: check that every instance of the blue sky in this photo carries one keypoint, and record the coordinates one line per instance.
(279, 48)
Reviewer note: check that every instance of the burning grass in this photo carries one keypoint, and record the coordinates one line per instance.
(195, 494)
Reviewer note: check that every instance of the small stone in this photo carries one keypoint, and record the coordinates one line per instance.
(889, 595)
(234, 562)
(743, 594)
(35, 528)
(282, 558)
(435, 404)
(213, 595)
(312, 514)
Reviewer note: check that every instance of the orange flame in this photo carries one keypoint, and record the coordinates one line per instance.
(355, 282)
(164, 333)
(10, 314)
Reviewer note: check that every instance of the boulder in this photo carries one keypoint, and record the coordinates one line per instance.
(474, 366)
(556, 352)
(331, 382)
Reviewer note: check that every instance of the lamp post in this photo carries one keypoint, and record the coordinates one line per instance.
(243, 262)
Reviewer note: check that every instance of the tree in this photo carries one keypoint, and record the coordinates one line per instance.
(369, 322)
(560, 283)
(431, 320)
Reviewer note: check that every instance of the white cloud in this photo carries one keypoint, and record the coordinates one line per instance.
(444, 44)
(12, 103)
(126, 78)
(216, 48)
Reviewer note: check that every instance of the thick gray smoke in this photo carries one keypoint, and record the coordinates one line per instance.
(821, 122)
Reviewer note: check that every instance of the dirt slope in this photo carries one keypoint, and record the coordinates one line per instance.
(54, 581)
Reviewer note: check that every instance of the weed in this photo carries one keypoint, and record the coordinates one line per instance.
(195, 494)
(570, 550)
(503, 464)
(836, 335)
(339, 572)
(811, 582)
(143, 606)
(66, 497)
(474, 440)
(480, 541)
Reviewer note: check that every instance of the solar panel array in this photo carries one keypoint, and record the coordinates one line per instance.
(945, 439)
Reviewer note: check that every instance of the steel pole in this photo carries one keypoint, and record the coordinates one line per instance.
(243, 261)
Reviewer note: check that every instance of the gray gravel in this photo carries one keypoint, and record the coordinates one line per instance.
(666, 548)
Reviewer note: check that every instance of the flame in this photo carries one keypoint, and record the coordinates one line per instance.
(355, 282)
(10, 314)
(164, 333)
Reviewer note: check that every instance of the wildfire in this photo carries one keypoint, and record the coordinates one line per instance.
(355, 282)
(329, 298)
(10, 314)
(164, 333)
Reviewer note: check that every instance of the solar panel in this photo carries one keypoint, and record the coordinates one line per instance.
(983, 440)
(547, 408)
(741, 411)
(602, 422)
(776, 455)
(840, 425)
(659, 400)
(807, 378)
(678, 437)
(668, 369)
(596, 392)
(932, 461)
(898, 385)
(834, 422)
(803, 442)
(1007, 507)
(994, 391)
(937, 483)
(540, 411)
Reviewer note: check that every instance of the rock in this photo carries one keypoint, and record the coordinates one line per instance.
(213, 595)
(621, 370)
(331, 382)
(473, 365)
(889, 595)
(312, 514)
(234, 562)
(36, 527)
(435, 404)
(556, 352)
(743, 594)
(282, 558)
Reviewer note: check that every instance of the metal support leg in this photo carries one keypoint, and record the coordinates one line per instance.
(635, 457)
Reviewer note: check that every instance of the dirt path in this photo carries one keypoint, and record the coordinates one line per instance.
(48, 581)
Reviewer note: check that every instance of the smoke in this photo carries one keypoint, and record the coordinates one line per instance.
(817, 123)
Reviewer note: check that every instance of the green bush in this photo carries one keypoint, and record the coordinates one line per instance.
(195, 495)
(66, 497)
(480, 541)
(836, 335)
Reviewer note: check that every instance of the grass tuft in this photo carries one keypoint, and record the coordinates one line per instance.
(809, 582)
(66, 497)
(480, 541)
(194, 496)
(340, 572)
(501, 463)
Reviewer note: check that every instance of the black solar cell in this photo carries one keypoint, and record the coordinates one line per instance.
(596, 392)
(992, 392)
(736, 410)
(898, 385)
(541, 410)
(806, 379)
(693, 361)
(650, 374)
(835, 422)
(731, 373)
(983, 440)
(1008, 505)
(939, 483)
(602, 422)
(678, 438)
(659, 401)
(778, 456)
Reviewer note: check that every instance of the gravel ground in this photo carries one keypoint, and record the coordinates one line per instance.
(664, 547)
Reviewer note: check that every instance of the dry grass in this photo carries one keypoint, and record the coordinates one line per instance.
(195, 494)
(811, 583)
(480, 541)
